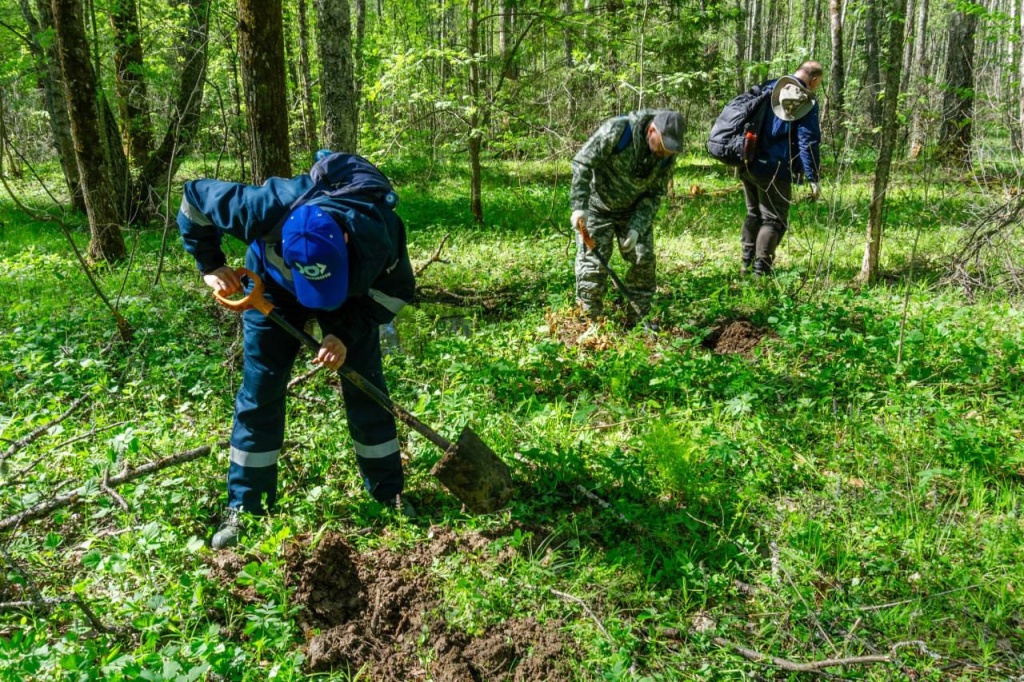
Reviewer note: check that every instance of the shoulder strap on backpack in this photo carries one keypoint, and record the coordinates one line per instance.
(625, 140)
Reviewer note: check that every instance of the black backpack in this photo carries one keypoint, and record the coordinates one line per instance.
(733, 139)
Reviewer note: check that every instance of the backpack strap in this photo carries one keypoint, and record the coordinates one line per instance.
(625, 140)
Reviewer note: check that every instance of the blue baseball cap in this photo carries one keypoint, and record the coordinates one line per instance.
(313, 246)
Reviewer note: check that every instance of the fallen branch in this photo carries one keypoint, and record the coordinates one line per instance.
(583, 605)
(76, 496)
(71, 441)
(436, 258)
(49, 602)
(790, 666)
(37, 433)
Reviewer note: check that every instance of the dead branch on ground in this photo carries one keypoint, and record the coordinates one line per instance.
(76, 496)
(435, 258)
(818, 666)
(38, 433)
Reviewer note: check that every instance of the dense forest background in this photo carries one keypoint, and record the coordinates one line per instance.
(264, 84)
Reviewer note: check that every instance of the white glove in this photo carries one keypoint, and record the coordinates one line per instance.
(576, 215)
(815, 191)
(629, 241)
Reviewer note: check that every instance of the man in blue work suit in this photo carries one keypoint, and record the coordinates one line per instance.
(329, 246)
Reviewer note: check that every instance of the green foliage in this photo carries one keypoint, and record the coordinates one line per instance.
(854, 478)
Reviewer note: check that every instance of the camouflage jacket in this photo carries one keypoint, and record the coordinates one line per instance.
(632, 180)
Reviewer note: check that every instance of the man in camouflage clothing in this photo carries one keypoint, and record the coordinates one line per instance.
(618, 180)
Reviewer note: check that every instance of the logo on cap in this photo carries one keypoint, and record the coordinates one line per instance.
(315, 271)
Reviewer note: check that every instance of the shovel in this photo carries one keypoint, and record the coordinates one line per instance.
(588, 242)
(469, 469)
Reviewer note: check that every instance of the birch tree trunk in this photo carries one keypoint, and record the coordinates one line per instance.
(918, 69)
(872, 75)
(309, 126)
(836, 114)
(887, 143)
(475, 182)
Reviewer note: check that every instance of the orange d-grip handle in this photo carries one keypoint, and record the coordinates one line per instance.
(254, 299)
(588, 241)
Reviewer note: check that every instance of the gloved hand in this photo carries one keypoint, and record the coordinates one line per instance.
(629, 241)
(815, 191)
(576, 215)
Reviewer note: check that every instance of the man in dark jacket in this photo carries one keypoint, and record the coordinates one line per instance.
(328, 246)
(788, 150)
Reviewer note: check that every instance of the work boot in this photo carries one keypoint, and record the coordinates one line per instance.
(767, 241)
(229, 531)
(747, 258)
(763, 267)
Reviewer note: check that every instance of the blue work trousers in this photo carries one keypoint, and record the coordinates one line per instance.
(259, 424)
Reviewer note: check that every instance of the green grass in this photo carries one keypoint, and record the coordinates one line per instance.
(837, 493)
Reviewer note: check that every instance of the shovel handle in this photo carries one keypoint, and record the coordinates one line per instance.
(588, 241)
(253, 299)
(256, 299)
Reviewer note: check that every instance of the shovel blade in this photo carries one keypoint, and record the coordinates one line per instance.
(472, 472)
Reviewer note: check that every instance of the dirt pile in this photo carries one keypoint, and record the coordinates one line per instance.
(381, 613)
(735, 337)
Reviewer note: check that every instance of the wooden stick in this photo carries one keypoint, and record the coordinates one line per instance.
(76, 496)
(583, 605)
(790, 666)
(436, 258)
(36, 434)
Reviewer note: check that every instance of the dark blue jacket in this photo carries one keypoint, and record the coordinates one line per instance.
(788, 149)
(381, 280)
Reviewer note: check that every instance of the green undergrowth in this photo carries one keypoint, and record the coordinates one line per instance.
(850, 487)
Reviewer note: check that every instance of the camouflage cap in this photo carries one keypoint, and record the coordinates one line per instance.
(672, 128)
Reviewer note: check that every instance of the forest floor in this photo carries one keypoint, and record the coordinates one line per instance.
(789, 477)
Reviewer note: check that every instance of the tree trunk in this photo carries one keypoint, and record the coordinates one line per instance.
(872, 77)
(47, 62)
(309, 127)
(1020, 78)
(741, 45)
(958, 99)
(887, 143)
(84, 109)
(155, 177)
(566, 34)
(337, 85)
(918, 81)
(129, 83)
(261, 53)
(836, 114)
(476, 201)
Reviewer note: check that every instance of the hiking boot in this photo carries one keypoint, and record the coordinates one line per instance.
(229, 531)
(746, 267)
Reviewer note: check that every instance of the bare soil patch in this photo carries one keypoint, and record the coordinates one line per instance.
(736, 337)
(381, 613)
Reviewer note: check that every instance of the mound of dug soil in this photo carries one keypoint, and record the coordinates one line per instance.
(380, 613)
(738, 337)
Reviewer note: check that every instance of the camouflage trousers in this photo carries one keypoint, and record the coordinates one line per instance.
(591, 277)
